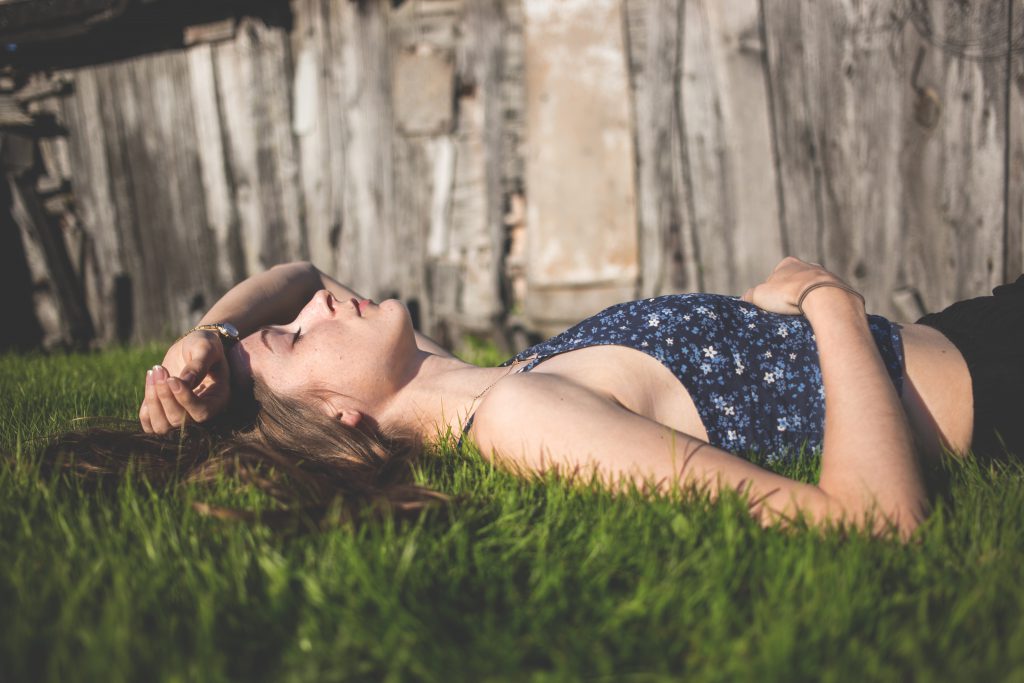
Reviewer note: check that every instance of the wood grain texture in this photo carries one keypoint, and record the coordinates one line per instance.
(796, 122)
(734, 37)
(848, 61)
(316, 126)
(654, 32)
(1014, 181)
(586, 153)
(581, 196)
(368, 255)
(477, 194)
(954, 175)
(228, 266)
(89, 174)
(730, 167)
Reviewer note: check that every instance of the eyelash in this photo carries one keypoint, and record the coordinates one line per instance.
(298, 336)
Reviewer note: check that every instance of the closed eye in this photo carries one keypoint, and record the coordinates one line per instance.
(297, 337)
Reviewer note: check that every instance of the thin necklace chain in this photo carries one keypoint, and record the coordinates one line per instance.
(489, 386)
(512, 367)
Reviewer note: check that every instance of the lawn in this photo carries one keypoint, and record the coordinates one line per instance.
(542, 581)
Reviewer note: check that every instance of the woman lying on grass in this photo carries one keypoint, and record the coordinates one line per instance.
(676, 390)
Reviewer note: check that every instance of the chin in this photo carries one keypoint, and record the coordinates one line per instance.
(393, 303)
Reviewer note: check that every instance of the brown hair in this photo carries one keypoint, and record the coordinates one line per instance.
(285, 446)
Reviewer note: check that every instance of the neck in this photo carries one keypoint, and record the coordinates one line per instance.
(440, 395)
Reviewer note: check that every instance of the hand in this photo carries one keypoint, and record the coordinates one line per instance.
(194, 383)
(791, 278)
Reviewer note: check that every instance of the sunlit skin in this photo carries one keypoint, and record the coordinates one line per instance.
(359, 360)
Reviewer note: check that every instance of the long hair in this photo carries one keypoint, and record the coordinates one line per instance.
(286, 447)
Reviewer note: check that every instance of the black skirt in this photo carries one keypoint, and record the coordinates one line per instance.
(989, 333)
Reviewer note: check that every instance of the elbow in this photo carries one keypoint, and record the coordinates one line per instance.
(906, 518)
(900, 519)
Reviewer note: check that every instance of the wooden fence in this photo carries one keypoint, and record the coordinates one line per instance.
(518, 164)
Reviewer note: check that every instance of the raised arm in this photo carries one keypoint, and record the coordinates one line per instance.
(193, 380)
(276, 296)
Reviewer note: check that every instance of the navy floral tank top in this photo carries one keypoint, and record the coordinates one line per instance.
(753, 375)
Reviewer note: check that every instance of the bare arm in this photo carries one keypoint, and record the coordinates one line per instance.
(275, 297)
(868, 455)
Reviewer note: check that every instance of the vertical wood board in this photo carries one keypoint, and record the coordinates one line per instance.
(581, 206)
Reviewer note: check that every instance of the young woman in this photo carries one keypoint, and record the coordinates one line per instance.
(675, 390)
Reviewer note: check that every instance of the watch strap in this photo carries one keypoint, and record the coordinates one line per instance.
(228, 333)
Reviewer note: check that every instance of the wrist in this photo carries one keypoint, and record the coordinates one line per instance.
(831, 300)
(226, 332)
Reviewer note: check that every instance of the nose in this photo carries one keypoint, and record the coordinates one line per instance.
(323, 302)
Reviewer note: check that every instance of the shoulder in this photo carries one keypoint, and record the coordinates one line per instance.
(527, 400)
(541, 421)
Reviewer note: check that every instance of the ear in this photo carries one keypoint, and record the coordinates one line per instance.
(342, 411)
(350, 418)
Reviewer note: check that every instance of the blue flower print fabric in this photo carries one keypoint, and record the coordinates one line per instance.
(753, 375)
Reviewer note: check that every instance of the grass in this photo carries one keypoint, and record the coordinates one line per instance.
(537, 581)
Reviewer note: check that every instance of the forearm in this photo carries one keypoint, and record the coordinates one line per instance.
(277, 295)
(868, 458)
(272, 297)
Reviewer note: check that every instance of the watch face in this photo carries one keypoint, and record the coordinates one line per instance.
(231, 330)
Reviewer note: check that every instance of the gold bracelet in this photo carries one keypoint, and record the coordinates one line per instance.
(838, 285)
(227, 332)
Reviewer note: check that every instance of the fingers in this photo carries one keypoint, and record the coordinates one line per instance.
(153, 409)
(161, 411)
(202, 352)
(147, 425)
(193, 406)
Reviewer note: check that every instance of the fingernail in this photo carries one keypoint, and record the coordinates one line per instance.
(174, 383)
(149, 376)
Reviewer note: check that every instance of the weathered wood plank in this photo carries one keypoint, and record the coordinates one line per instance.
(731, 199)
(955, 174)
(1014, 185)
(335, 133)
(311, 120)
(89, 174)
(734, 35)
(277, 154)
(368, 254)
(581, 195)
(171, 255)
(654, 32)
(795, 121)
(233, 69)
(478, 197)
(255, 103)
(422, 82)
(218, 195)
(119, 112)
(196, 258)
(853, 78)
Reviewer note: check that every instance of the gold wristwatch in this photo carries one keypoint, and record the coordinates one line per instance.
(228, 333)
